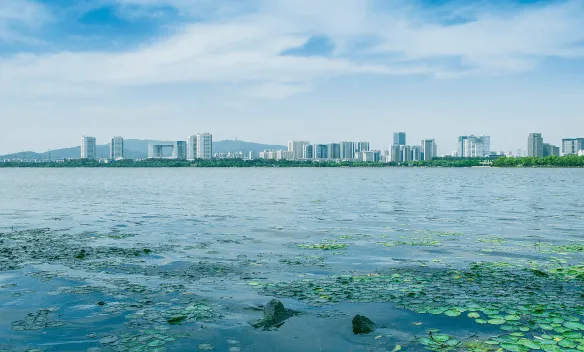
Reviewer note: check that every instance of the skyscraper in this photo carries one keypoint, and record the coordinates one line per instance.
(192, 147)
(204, 146)
(399, 138)
(395, 153)
(347, 150)
(429, 149)
(308, 151)
(88, 148)
(297, 148)
(416, 153)
(334, 151)
(473, 146)
(535, 145)
(179, 150)
(117, 148)
(550, 150)
(406, 153)
(362, 147)
(320, 151)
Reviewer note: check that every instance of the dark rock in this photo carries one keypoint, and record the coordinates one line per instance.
(275, 314)
(362, 325)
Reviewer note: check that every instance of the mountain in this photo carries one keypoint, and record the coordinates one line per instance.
(138, 148)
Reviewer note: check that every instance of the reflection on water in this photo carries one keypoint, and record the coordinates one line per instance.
(184, 260)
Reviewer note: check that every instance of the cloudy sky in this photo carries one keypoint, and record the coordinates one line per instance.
(273, 70)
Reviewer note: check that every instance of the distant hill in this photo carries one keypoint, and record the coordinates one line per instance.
(138, 148)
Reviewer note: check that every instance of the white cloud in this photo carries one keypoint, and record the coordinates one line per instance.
(19, 16)
(244, 49)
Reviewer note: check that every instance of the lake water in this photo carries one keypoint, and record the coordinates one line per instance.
(184, 259)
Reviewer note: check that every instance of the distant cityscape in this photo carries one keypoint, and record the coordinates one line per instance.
(200, 146)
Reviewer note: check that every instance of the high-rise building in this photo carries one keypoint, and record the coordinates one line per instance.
(572, 145)
(297, 148)
(334, 151)
(550, 150)
(395, 153)
(320, 151)
(251, 155)
(399, 138)
(473, 146)
(362, 147)
(88, 148)
(535, 145)
(179, 150)
(308, 151)
(429, 149)
(117, 148)
(204, 146)
(192, 147)
(416, 153)
(347, 150)
(406, 153)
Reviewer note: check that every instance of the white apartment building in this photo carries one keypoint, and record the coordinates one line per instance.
(204, 146)
(297, 147)
(88, 148)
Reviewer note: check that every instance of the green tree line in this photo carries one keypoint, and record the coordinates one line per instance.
(551, 161)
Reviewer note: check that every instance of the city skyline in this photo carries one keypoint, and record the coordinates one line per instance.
(264, 70)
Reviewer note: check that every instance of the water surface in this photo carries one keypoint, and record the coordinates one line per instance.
(183, 259)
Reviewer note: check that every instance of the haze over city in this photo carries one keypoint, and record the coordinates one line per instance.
(271, 71)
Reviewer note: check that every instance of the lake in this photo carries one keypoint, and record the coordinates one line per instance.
(439, 259)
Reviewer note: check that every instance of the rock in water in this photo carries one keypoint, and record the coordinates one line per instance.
(275, 312)
(362, 325)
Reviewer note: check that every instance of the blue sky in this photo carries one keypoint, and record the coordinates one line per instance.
(273, 70)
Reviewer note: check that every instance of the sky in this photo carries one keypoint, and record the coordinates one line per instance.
(270, 71)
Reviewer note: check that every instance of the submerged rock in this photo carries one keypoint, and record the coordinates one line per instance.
(362, 325)
(275, 314)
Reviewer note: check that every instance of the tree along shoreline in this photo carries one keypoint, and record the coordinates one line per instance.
(552, 161)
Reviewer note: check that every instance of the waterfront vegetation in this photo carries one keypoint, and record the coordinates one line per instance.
(550, 161)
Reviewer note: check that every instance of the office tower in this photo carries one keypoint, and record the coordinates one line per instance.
(192, 147)
(406, 153)
(308, 151)
(334, 151)
(251, 155)
(362, 147)
(179, 150)
(395, 153)
(297, 148)
(416, 153)
(399, 138)
(117, 148)
(320, 151)
(429, 149)
(535, 145)
(88, 148)
(204, 146)
(473, 146)
(572, 145)
(347, 150)
(550, 150)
